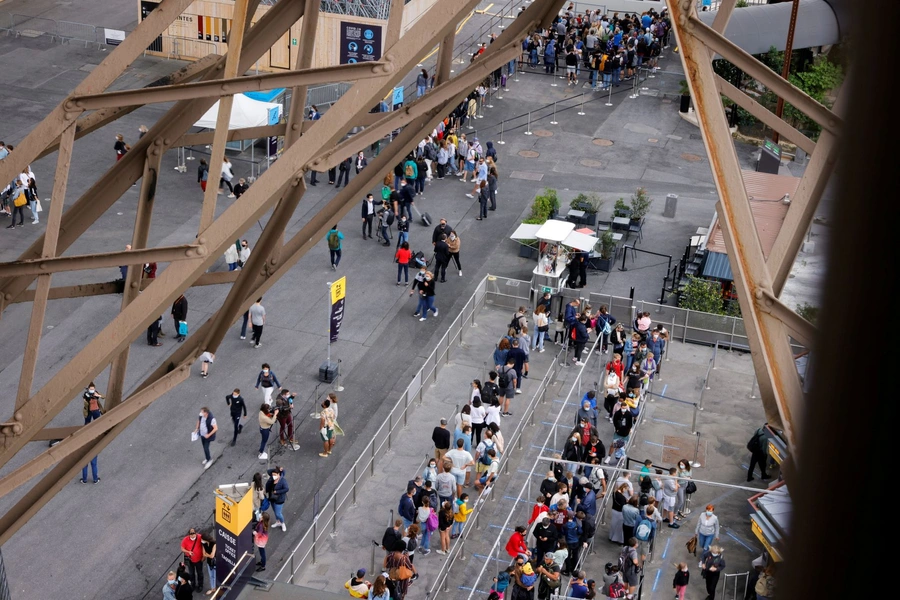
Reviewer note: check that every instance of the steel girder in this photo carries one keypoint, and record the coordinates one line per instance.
(281, 188)
(768, 322)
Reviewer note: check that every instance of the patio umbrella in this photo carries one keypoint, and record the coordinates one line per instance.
(585, 230)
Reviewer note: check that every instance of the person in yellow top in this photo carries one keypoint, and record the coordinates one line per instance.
(357, 586)
(460, 516)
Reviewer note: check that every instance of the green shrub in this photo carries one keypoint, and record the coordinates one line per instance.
(702, 295)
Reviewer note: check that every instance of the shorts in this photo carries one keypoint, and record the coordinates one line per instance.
(470, 166)
(631, 578)
(570, 70)
(326, 434)
(480, 467)
(459, 474)
(668, 502)
(510, 393)
(617, 437)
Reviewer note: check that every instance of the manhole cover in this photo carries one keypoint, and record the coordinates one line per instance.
(529, 175)
(542, 133)
(691, 157)
(529, 154)
(652, 140)
(602, 142)
(590, 162)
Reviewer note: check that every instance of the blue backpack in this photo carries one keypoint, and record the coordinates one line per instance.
(643, 530)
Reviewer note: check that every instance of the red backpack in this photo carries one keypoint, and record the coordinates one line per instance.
(617, 589)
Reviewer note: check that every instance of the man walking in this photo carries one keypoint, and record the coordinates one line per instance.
(441, 438)
(206, 429)
(334, 238)
(238, 409)
(758, 455)
(257, 321)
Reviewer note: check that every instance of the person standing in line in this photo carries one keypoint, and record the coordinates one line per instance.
(268, 381)
(441, 438)
(542, 326)
(684, 475)
(580, 338)
(314, 115)
(203, 173)
(209, 556)
(232, 255)
(421, 83)
(238, 409)
(206, 429)
(192, 548)
(260, 539)
(170, 586)
(453, 245)
(482, 201)
(707, 530)
(712, 563)
(257, 321)
(507, 374)
(326, 428)
(276, 495)
(402, 258)
(334, 238)
(179, 315)
(481, 175)
(267, 418)
(120, 147)
(226, 177)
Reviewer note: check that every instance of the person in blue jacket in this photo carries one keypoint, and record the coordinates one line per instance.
(656, 344)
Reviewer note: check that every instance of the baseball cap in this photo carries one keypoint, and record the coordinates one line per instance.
(361, 573)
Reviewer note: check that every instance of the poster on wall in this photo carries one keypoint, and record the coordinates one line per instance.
(359, 42)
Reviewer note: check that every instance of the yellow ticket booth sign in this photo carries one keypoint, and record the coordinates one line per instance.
(234, 533)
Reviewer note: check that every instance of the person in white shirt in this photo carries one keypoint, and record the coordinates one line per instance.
(490, 475)
(462, 461)
(626, 479)
(478, 414)
(226, 177)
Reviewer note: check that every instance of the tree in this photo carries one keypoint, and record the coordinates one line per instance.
(702, 295)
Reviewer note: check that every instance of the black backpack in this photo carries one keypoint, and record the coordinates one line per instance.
(388, 217)
(418, 259)
(755, 443)
(514, 324)
(503, 379)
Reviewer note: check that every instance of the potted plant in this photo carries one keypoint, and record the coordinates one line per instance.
(545, 206)
(685, 96)
(620, 209)
(607, 249)
(640, 205)
(590, 204)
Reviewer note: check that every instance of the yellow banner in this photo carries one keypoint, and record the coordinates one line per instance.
(338, 290)
(234, 516)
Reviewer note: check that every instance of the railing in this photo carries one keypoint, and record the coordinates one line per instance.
(62, 31)
(4, 584)
(182, 48)
(382, 440)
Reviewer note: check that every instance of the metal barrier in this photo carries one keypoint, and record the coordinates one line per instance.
(182, 48)
(382, 440)
(64, 31)
(4, 584)
(506, 292)
(33, 27)
(735, 578)
(77, 32)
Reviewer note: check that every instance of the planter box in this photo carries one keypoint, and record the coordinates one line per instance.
(604, 264)
(527, 251)
(589, 219)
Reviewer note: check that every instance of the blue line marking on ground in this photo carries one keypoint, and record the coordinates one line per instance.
(660, 445)
(740, 541)
(656, 579)
(665, 387)
(666, 549)
(514, 498)
(468, 589)
(566, 403)
(745, 467)
(482, 556)
(500, 527)
(669, 422)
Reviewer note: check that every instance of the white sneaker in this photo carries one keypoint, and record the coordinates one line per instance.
(435, 312)
(441, 552)
(208, 465)
(422, 319)
(579, 363)
(295, 446)
(243, 337)
(283, 527)
(204, 463)
(460, 273)
(518, 391)
(231, 195)
(263, 456)
(606, 461)
(469, 196)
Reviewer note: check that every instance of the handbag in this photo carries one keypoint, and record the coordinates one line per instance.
(691, 545)
(182, 328)
(690, 488)
(37, 206)
(401, 573)
(20, 201)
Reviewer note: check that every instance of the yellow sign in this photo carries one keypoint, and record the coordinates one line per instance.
(234, 515)
(338, 290)
(762, 538)
(775, 453)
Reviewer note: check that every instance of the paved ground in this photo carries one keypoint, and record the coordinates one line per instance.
(152, 478)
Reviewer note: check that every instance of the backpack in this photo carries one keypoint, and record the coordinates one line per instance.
(616, 590)
(431, 523)
(514, 324)
(606, 329)
(643, 530)
(488, 391)
(755, 443)
(388, 217)
(603, 62)
(503, 379)
(334, 242)
(408, 171)
(385, 193)
(484, 458)
(418, 259)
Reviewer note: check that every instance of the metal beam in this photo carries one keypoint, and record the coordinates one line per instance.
(804, 203)
(772, 357)
(94, 121)
(765, 115)
(97, 80)
(719, 44)
(110, 187)
(229, 86)
(308, 30)
(395, 21)
(723, 15)
(83, 262)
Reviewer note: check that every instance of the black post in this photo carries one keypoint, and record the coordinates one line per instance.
(624, 254)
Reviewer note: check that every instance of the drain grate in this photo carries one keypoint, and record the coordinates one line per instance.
(529, 175)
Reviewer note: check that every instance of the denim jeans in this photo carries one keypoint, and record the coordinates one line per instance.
(335, 257)
(211, 571)
(534, 58)
(404, 269)
(607, 79)
(244, 324)
(264, 434)
(420, 91)
(276, 508)
(205, 442)
(426, 538)
(402, 236)
(94, 414)
(457, 528)
(406, 523)
(616, 76)
(232, 266)
(93, 470)
(420, 186)
(262, 556)
(511, 68)
(538, 340)
(406, 208)
(704, 541)
(593, 78)
(422, 307)
(429, 302)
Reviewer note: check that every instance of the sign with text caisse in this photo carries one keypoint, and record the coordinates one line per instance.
(338, 292)
(234, 533)
(359, 42)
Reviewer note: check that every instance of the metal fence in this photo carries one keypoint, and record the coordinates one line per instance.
(184, 48)
(326, 519)
(62, 31)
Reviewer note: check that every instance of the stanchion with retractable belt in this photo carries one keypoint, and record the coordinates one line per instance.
(528, 127)
(501, 142)
(581, 111)
(554, 121)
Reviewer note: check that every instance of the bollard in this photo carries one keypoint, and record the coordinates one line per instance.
(528, 126)
(355, 480)
(315, 536)
(462, 549)
(490, 93)
(480, 113)
(334, 508)
(581, 112)
(501, 142)
(694, 463)
(694, 420)
(554, 122)
(753, 386)
(405, 411)
(390, 429)
(609, 98)
(292, 568)
(372, 467)
(337, 380)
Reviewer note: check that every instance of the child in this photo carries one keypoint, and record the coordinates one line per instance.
(682, 576)
(460, 515)
(559, 331)
(430, 473)
(528, 576)
(501, 582)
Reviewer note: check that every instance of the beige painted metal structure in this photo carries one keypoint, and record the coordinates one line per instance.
(768, 321)
(280, 188)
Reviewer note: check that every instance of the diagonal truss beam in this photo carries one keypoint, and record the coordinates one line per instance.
(767, 334)
(60, 264)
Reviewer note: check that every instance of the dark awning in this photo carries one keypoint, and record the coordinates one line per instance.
(716, 266)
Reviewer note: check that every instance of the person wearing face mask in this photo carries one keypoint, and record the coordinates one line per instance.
(453, 245)
(267, 419)
(93, 408)
(206, 429)
(170, 586)
(684, 474)
(192, 547)
(268, 381)
(707, 529)
(426, 291)
(276, 495)
(623, 421)
(712, 563)
(238, 408)
(430, 472)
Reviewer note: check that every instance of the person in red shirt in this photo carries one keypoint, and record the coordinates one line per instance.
(539, 508)
(192, 547)
(516, 545)
(402, 258)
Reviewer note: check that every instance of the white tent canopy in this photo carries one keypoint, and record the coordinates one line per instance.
(525, 231)
(580, 241)
(245, 112)
(555, 231)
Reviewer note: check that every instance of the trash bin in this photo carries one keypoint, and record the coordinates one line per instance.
(671, 205)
